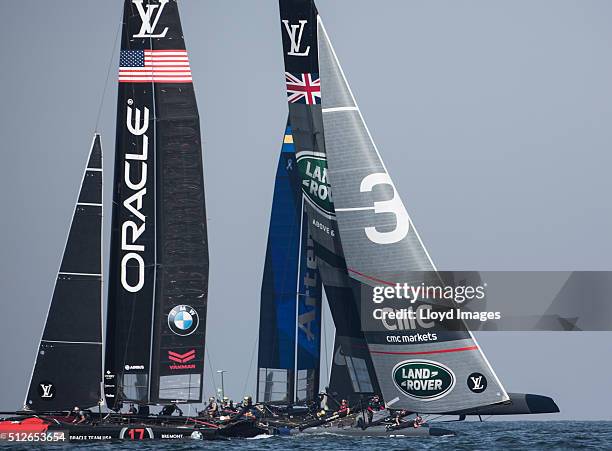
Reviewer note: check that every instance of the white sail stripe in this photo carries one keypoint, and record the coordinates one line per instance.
(168, 63)
(150, 53)
(156, 74)
(89, 204)
(310, 153)
(152, 79)
(155, 67)
(393, 401)
(340, 108)
(166, 58)
(159, 62)
(79, 274)
(74, 342)
(157, 70)
(504, 396)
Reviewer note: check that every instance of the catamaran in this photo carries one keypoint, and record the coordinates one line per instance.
(339, 226)
(158, 281)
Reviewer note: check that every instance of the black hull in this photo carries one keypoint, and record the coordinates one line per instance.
(134, 432)
(381, 431)
(49, 429)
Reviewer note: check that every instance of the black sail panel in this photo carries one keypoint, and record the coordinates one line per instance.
(132, 253)
(72, 336)
(159, 253)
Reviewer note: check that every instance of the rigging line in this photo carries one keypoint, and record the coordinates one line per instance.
(108, 71)
(327, 372)
(246, 380)
(212, 371)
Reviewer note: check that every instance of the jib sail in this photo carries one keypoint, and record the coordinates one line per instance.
(382, 248)
(72, 336)
(159, 253)
(290, 311)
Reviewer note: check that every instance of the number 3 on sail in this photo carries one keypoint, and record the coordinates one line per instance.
(393, 205)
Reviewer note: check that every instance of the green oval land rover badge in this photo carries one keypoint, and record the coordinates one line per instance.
(315, 185)
(423, 379)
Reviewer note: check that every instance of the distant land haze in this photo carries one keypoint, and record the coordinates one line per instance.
(493, 119)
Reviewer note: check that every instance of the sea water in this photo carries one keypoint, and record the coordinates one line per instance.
(491, 435)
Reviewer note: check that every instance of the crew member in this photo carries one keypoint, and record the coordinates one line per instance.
(132, 410)
(212, 408)
(398, 417)
(170, 409)
(247, 410)
(344, 408)
(373, 405)
(418, 421)
(79, 415)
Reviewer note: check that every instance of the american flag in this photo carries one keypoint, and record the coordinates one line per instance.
(303, 88)
(146, 66)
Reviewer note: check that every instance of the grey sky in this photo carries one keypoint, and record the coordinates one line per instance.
(493, 118)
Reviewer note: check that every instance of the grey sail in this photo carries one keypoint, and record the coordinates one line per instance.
(68, 366)
(381, 248)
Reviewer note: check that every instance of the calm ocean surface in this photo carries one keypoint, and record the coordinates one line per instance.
(511, 435)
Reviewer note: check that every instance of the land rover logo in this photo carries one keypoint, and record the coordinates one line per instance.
(315, 184)
(423, 379)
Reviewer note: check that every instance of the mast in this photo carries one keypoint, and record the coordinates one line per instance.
(158, 286)
(72, 336)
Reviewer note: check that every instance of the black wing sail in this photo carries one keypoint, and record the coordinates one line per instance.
(71, 346)
(159, 252)
(352, 372)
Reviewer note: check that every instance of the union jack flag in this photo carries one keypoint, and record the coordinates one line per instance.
(303, 88)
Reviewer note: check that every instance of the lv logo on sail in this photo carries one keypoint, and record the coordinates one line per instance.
(46, 390)
(476, 383)
(147, 29)
(295, 35)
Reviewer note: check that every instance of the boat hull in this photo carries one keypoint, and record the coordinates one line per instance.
(382, 431)
(35, 429)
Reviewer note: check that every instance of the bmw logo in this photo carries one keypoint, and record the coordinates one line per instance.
(183, 320)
